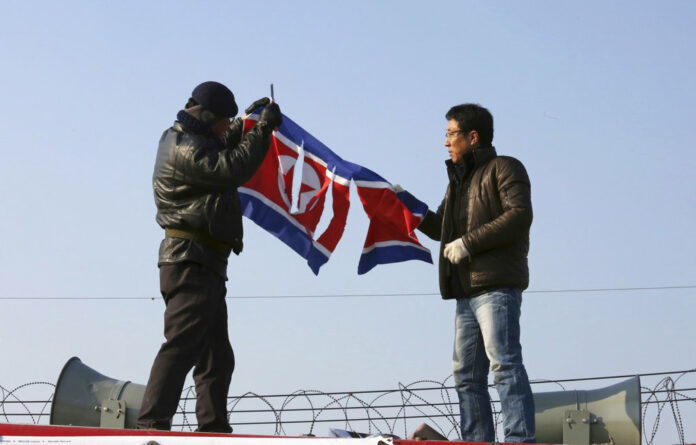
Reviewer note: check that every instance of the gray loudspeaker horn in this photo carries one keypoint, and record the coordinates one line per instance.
(84, 397)
(598, 416)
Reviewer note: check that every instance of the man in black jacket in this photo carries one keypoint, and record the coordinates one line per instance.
(201, 161)
(483, 225)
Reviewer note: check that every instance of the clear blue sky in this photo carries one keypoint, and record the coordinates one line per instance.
(598, 100)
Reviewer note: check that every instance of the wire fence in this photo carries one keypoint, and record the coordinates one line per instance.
(667, 400)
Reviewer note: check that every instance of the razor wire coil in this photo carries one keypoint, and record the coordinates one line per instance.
(383, 412)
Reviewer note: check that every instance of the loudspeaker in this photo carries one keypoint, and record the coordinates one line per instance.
(606, 415)
(84, 397)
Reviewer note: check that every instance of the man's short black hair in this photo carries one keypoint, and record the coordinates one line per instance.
(473, 117)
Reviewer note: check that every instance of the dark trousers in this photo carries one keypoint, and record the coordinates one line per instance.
(195, 327)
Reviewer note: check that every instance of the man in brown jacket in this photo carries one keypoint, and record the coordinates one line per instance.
(483, 225)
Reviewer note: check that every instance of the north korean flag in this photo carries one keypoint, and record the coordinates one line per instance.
(267, 200)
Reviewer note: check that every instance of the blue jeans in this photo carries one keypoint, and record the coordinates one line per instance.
(487, 333)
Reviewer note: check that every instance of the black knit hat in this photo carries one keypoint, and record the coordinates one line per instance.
(215, 97)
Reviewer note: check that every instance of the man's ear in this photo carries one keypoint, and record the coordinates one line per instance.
(473, 134)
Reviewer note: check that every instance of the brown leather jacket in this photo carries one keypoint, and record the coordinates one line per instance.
(489, 206)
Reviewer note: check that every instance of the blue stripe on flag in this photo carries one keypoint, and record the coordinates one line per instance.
(412, 203)
(391, 254)
(277, 225)
(316, 259)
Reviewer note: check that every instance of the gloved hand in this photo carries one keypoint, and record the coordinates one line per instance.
(455, 251)
(271, 114)
(258, 103)
(397, 188)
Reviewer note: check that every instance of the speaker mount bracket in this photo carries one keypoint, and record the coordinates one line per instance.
(576, 428)
(113, 414)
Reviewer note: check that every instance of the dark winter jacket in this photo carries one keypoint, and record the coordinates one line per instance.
(489, 206)
(195, 185)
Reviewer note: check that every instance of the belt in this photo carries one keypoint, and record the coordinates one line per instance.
(201, 237)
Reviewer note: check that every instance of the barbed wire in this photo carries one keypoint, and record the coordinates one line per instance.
(11, 395)
(393, 412)
(667, 388)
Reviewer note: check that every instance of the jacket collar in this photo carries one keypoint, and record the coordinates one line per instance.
(181, 127)
(480, 157)
(193, 124)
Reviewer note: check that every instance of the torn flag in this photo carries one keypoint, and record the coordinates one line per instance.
(393, 217)
(267, 200)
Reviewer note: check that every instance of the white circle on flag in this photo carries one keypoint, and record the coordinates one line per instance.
(310, 180)
(285, 166)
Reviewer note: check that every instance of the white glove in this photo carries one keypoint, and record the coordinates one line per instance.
(455, 251)
(397, 188)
